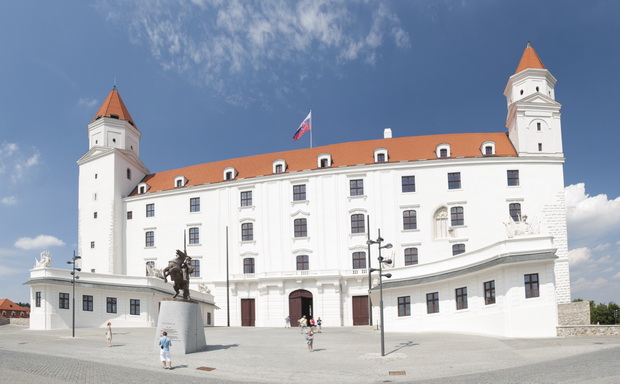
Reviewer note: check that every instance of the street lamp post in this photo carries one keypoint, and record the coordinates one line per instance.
(388, 275)
(73, 278)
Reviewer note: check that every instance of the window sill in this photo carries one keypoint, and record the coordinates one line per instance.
(248, 242)
(409, 230)
(299, 202)
(357, 197)
(301, 238)
(246, 207)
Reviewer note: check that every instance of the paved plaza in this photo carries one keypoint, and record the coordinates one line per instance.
(279, 355)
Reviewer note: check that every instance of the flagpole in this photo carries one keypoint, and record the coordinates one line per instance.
(311, 128)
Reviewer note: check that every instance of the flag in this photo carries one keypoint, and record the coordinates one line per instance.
(305, 126)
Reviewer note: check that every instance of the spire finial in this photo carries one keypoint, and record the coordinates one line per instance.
(115, 81)
(528, 44)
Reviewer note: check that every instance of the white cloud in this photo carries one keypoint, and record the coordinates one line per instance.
(7, 271)
(583, 284)
(39, 242)
(590, 216)
(9, 200)
(579, 255)
(7, 149)
(88, 103)
(616, 276)
(223, 44)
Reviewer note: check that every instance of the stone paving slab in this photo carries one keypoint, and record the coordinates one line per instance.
(274, 355)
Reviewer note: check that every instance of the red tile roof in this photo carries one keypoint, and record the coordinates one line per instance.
(9, 306)
(113, 106)
(529, 59)
(344, 154)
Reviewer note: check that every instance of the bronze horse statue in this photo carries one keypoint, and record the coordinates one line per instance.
(179, 270)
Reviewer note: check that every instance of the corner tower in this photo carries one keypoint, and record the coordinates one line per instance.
(533, 118)
(108, 172)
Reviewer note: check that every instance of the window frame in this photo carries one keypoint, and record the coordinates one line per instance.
(410, 220)
(194, 204)
(489, 292)
(150, 210)
(358, 223)
(249, 265)
(37, 299)
(246, 198)
(458, 249)
(247, 231)
(404, 306)
(514, 210)
(532, 287)
(195, 263)
(457, 216)
(300, 228)
(512, 177)
(411, 256)
(302, 263)
(432, 302)
(149, 239)
(358, 259)
(134, 307)
(87, 303)
(460, 295)
(63, 300)
(356, 187)
(454, 180)
(194, 235)
(299, 192)
(407, 184)
(111, 305)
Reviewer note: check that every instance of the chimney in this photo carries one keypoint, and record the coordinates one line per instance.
(387, 133)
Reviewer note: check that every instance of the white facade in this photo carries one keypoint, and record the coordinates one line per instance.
(452, 230)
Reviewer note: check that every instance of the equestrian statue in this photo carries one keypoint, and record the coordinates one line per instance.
(179, 270)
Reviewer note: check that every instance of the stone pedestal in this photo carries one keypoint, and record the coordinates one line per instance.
(182, 319)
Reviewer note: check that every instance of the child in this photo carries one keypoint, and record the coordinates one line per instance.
(309, 340)
(108, 334)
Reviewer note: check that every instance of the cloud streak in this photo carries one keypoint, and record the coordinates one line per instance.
(228, 45)
(39, 242)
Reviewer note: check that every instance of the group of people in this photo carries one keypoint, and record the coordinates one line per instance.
(309, 327)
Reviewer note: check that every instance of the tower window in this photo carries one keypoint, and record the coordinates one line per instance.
(95, 215)
(129, 215)
(114, 140)
(128, 174)
(538, 126)
(521, 92)
(95, 176)
(537, 89)
(92, 244)
(539, 147)
(513, 177)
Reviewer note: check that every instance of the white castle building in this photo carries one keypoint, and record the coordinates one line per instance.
(476, 221)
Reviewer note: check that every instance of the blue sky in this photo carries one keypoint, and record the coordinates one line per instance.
(211, 80)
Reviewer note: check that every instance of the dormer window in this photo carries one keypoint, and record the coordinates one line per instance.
(128, 174)
(488, 148)
(180, 181)
(443, 150)
(279, 166)
(230, 173)
(381, 155)
(324, 160)
(142, 188)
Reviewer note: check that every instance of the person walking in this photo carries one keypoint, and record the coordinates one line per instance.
(287, 322)
(108, 334)
(304, 324)
(318, 323)
(310, 340)
(165, 344)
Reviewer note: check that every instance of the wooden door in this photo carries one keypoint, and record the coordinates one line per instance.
(248, 314)
(360, 310)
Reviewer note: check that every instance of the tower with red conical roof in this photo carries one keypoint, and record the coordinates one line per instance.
(533, 118)
(109, 171)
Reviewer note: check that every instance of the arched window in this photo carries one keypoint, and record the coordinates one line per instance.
(410, 220)
(441, 223)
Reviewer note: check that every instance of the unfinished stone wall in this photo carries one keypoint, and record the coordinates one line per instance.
(589, 330)
(576, 313)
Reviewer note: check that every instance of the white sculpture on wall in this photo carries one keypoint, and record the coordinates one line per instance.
(522, 227)
(46, 260)
(153, 271)
(202, 287)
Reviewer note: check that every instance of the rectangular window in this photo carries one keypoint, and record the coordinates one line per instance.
(278, 168)
(208, 318)
(514, 209)
(95, 215)
(37, 299)
(150, 210)
(303, 262)
(92, 244)
(454, 180)
(301, 228)
(410, 220)
(63, 300)
(149, 239)
(380, 157)
(359, 260)
(531, 285)
(411, 256)
(299, 192)
(87, 303)
(247, 232)
(513, 177)
(246, 198)
(356, 187)
(461, 298)
(408, 184)
(489, 292)
(457, 249)
(196, 265)
(358, 224)
(129, 215)
(194, 204)
(456, 216)
(194, 235)
(432, 302)
(404, 306)
(134, 307)
(111, 304)
(179, 183)
(248, 265)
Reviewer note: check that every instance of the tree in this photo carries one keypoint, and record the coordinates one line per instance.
(603, 313)
(25, 305)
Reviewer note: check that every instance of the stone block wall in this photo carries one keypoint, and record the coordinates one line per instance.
(589, 330)
(576, 313)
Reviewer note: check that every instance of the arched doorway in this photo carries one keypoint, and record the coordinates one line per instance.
(299, 304)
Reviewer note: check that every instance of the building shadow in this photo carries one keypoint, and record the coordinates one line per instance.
(218, 347)
(400, 346)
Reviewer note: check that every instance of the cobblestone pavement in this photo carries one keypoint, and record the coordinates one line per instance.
(273, 355)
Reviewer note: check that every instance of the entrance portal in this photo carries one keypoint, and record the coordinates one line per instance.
(248, 313)
(299, 304)
(360, 310)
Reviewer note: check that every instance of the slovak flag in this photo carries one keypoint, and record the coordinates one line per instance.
(305, 126)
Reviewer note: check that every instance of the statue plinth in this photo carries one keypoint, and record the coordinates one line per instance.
(182, 320)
